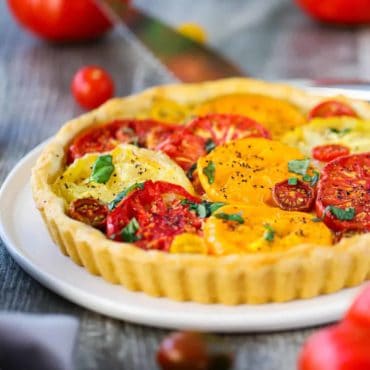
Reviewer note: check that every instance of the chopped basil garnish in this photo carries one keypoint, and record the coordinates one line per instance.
(209, 171)
(190, 171)
(340, 132)
(102, 169)
(292, 181)
(299, 166)
(269, 234)
(346, 214)
(237, 217)
(209, 145)
(203, 209)
(113, 204)
(128, 233)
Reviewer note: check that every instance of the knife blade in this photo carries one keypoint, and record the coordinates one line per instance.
(188, 60)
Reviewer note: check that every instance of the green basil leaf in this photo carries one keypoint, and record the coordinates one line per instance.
(203, 209)
(315, 178)
(209, 145)
(209, 171)
(269, 234)
(343, 132)
(299, 166)
(128, 233)
(113, 204)
(102, 169)
(346, 214)
(292, 181)
(237, 217)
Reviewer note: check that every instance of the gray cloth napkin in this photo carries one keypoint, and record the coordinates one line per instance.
(37, 342)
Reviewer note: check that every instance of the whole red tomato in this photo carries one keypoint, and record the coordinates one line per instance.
(61, 20)
(338, 11)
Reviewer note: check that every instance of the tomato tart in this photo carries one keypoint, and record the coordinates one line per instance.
(235, 191)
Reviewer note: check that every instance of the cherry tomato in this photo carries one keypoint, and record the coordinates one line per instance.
(61, 20)
(328, 152)
(338, 11)
(331, 108)
(184, 148)
(345, 185)
(92, 86)
(145, 133)
(340, 347)
(359, 312)
(183, 351)
(154, 215)
(89, 211)
(299, 197)
(222, 128)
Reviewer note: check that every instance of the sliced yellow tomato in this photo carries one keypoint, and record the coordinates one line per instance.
(245, 170)
(188, 243)
(261, 229)
(278, 116)
(131, 165)
(348, 131)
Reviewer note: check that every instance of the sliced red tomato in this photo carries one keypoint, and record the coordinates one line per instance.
(343, 193)
(359, 312)
(328, 152)
(145, 133)
(184, 148)
(221, 128)
(153, 215)
(331, 108)
(89, 211)
(340, 347)
(298, 197)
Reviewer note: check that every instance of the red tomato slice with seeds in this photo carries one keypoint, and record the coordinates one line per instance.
(328, 152)
(222, 128)
(145, 133)
(299, 197)
(89, 211)
(331, 108)
(345, 185)
(159, 215)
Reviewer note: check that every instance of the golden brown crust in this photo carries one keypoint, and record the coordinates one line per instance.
(301, 272)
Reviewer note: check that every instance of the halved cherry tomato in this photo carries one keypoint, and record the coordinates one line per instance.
(187, 146)
(299, 197)
(222, 128)
(359, 312)
(331, 108)
(328, 152)
(345, 184)
(184, 148)
(159, 214)
(89, 211)
(92, 86)
(145, 133)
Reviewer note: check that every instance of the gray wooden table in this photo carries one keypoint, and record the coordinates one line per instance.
(269, 39)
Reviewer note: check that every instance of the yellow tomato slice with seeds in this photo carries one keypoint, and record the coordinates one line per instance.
(245, 170)
(188, 243)
(277, 115)
(263, 229)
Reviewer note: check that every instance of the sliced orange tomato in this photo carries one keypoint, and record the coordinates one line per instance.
(278, 116)
(188, 243)
(238, 229)
(245, 170)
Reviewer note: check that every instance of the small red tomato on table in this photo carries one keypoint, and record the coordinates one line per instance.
(92, 86)
(345, 346)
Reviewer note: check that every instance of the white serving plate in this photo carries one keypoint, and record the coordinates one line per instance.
(27, 240)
